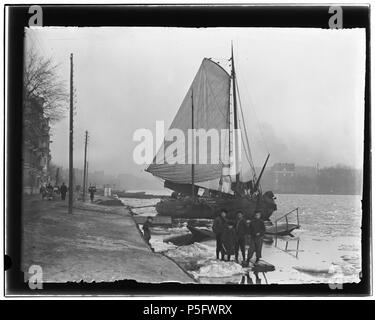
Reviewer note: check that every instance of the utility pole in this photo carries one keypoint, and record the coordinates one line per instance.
(85, 168)
(87, 175)
(70, 208)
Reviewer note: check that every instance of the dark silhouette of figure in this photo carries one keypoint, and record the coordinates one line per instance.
(63, 191)
(49, 191)
(257, 230)
(43, 191)
(218, 227)
(241, 230)
(92, 190)
(146, 229)
(229, 240)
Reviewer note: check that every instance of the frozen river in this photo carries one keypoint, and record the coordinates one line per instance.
(325, 249)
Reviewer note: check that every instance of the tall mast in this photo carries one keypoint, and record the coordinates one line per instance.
(235, 138)
(192, 148)
(70, 205)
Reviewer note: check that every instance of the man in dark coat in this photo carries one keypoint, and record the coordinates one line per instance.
(257, 230)
(229, 238)
(146, 229)
(218, 228)
(42, 191)
(92, 190)
(63, 191)
(241, 230)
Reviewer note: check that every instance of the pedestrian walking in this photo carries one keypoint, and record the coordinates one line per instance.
(218, 228)
(42, 191)
(92, 191)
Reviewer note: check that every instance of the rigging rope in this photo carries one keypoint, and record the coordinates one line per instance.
(255, 115)
(247, 146)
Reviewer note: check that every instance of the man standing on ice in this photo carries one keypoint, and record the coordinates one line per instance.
(241, 229)
(218, 227)
(146, 230)
(257, 230)
(228, 239)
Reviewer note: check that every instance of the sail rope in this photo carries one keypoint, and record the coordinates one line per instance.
(251, 104)
(246, 144)
(245, 128)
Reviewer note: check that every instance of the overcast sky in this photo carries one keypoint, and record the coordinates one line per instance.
(302, 90)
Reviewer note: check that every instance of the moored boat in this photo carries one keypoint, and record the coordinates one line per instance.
(210, 104)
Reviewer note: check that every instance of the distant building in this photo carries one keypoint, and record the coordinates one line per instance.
(288, 178)
(306, 171)
(36, 147)
(283, 174)
(98, 178)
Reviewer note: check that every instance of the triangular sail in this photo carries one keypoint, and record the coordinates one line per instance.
(209, 95)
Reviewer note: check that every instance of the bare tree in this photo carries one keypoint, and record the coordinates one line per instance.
(41, 80)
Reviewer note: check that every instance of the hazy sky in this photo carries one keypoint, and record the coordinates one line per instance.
(302, 90)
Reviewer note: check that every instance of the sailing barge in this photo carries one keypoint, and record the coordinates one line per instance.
(211, 103)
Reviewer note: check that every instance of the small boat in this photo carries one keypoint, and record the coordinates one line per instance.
(196, 235)
(181, 240)
(261, 266)
(282, 229)
(270, 230)
(201, 233)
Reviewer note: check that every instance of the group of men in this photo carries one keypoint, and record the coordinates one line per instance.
(232, 236)
(48, 191)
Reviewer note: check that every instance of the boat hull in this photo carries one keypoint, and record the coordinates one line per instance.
(208, 208)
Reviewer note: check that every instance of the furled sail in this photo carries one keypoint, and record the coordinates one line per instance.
(205, 106)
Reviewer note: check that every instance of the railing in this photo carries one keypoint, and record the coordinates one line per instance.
(285, 216)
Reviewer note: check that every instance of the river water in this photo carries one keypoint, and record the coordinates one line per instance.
(326, 249)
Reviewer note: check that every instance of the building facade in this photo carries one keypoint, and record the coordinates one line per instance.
(36, 146)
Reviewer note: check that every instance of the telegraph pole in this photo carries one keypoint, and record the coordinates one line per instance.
(70, 208)
(87, 174)
(85, 168)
